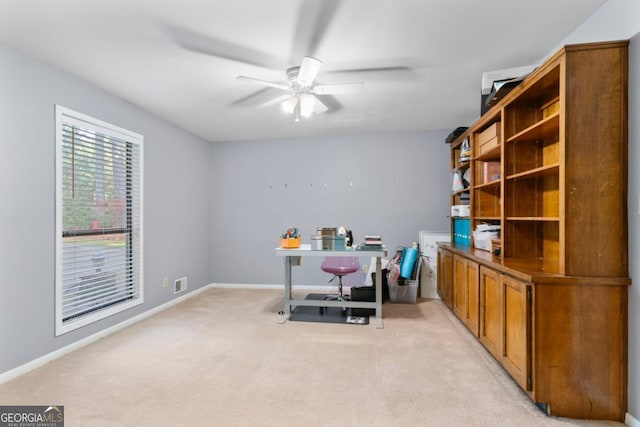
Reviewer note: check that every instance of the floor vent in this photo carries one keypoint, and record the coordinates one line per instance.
(180, 285)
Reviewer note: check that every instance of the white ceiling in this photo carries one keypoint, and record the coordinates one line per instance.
(179, 59)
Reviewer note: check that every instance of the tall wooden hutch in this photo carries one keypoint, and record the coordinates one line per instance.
(549, 299)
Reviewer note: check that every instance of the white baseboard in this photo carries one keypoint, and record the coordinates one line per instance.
(43, 360)
(317, 288)
(630, 421)
(244, 286)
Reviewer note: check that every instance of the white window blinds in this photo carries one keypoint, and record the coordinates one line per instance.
(99, 220)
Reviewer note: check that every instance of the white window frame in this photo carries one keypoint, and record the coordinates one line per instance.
(67, 116)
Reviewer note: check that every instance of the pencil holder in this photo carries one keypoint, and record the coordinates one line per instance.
(290, 243)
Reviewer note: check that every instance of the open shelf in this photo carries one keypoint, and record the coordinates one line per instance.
(532, 110)
(533, 218)
(524, 157)
(488, 185)
(486, 201)
(540, 172)
(532, 239)
(533, 198)
(545, 128)
(489, 155)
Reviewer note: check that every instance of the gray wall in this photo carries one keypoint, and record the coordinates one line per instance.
(620, 19)
(393, 185)
(176, 203)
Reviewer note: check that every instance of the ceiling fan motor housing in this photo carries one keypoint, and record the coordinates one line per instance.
(292, 76)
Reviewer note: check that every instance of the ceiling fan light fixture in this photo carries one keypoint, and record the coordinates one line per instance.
(302, 97)
(307, 104)
(290, 104)
(296, 113)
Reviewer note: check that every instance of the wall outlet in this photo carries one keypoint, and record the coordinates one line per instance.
(180, 285)
(165, 282)
(365, 268)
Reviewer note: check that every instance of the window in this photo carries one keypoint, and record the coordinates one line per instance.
(98, 220)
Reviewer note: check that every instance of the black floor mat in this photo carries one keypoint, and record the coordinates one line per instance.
(329, 314)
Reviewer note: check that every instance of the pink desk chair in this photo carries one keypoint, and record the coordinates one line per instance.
(339, 266)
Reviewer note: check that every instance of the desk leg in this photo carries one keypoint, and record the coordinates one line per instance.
(287, 290)
(379, 293)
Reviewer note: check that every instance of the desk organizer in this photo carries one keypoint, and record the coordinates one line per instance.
(291, 243)
(330, 243)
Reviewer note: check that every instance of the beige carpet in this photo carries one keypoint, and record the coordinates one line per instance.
(221, 359)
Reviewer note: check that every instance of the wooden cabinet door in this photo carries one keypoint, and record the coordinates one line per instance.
(472, 294)
(466, 292)
(516, 347)
(490, 311)
(459, 299)
(440, 274)
(445, 276)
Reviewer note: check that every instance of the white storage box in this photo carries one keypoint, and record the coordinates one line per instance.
(482, 239)
(460, 210)
(405, 294)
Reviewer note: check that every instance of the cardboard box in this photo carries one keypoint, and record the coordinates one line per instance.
(490, 172)
(489, 138)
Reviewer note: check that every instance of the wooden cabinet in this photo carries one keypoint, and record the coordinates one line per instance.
(515, 351)
(548, 165)
(445, 277)
(505, 326)
(459, 286)
(490, 313)
(561, 338)
(472, 306)
(466, 292)
(580, 354)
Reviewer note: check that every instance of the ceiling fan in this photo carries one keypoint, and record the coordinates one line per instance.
(301, 97)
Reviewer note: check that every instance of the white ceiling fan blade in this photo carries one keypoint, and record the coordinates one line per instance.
(277, 100)
(207, 45)
(265, 97)
(314, 18)
(378, 74)
(308, 70)
(338, 88)
(265, 83)
(319, 107)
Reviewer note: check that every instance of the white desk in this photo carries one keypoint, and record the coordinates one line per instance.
(306, 251)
